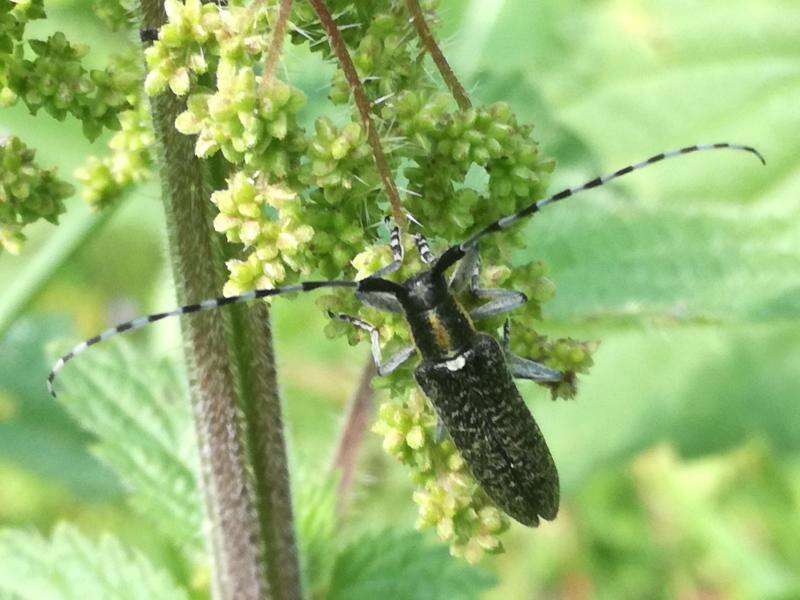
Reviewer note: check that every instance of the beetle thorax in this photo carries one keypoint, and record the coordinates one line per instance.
(425, 291)
(440, 326)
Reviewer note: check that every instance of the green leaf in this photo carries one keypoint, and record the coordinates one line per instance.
(69, 566)
(711, 235)
(137, 408)
(36, 433)
(316, 522)
(37, 267)
(403, 566)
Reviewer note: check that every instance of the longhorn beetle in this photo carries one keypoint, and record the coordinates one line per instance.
(467, 375)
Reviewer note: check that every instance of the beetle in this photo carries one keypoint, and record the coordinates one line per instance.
(467, 375)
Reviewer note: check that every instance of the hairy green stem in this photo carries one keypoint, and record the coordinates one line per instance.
(231, 372)
(339, 48)
(263, 427)
(425, 35)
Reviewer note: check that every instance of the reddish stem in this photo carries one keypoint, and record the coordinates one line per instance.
(276, 43)
(363, 104)
(352, 436)
(424, 32)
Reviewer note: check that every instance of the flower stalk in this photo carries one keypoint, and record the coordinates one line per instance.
(429, 42)
(364, 108)
(276, 43)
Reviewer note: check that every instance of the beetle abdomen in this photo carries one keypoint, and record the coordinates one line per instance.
(478, 402)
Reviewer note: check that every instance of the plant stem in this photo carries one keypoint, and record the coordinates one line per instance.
(352, 435)
(223, 352)
(424, 32)
(363, 104)
(276, 43)
(263, 425)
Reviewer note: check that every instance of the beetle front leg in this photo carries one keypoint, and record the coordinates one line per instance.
(397, 254)
(525, 368)
(394, 361)
(499, 300)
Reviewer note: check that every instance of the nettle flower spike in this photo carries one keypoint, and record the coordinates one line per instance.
(28, 192)
(274, 244)
(449, 500)
(104, 179)
(182, 45)
(242, 118)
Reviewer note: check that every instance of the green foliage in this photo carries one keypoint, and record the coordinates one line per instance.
(703, 238)
(69, 565)
(28, 192)
(137, 411)
(403, 566)
(35, 433)
(57, 81)
(682, 272)
(317, 525)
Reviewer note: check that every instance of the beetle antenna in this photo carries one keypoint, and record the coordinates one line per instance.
(205, 305)
(509, 220)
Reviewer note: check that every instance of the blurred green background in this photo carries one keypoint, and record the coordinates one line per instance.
(680, 456)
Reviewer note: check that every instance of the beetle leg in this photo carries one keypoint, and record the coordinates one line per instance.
(381, 301)
(499, 300)
(506, 339)
(525, 368)
(394, 361)
(424, 249)
(463, 273)
(397, 254)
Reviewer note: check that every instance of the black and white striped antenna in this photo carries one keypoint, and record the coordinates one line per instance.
(210, 304)
(507, 221)
(375, 283)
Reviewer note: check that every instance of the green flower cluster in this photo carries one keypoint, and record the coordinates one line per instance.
(447, 144)
(14, 16)
(383, 58)
(57, 81)
(28, 192)
(251, 125)
(278, 243)
(180, 51)
(303, 202)
(116, 14)
(104, 179)
(449, 498)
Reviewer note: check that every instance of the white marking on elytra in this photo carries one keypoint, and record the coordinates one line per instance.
(456, 364)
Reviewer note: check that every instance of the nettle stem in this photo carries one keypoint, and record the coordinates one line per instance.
(233, 384)
(425, 35)
(364, 108)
